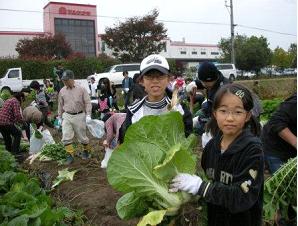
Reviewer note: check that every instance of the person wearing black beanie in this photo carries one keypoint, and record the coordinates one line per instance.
(211, 79)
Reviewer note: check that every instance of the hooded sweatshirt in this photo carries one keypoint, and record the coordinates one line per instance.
(284, 117)
(234, 194)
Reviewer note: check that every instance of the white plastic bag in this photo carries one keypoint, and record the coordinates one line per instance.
(35, 144)
(104, 162)
(205, 138)
(96, 128)
(47, 137)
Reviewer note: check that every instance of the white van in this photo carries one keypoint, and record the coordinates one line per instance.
(115, 73)
(228, 70)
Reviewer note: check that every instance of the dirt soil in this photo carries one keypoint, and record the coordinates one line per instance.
(89, 191)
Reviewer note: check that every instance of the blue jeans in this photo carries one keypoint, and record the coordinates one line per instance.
(274, 163)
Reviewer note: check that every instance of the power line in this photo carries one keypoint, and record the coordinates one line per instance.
(165, 21)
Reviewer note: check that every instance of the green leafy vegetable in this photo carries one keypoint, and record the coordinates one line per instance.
(53, 152)
(7, 160)
(269, 107)
(64, 175)
(154, 151)
(152, 218)
(281, 190)
(5, 94)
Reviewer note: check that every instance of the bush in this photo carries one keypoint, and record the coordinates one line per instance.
(40, 68)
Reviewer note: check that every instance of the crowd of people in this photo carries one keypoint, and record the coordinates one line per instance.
(233, 159)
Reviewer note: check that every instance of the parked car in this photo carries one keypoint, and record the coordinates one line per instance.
(115, 73)
(228, 70)
(249, 74)
(13, 81)
(277, 72)
(290, 71)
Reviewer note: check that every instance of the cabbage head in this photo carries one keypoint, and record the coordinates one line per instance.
(154, 151)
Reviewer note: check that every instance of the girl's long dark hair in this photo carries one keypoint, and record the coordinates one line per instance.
(248, 103)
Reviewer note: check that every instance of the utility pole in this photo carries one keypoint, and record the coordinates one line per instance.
(232, 30)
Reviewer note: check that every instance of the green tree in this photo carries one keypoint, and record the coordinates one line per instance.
(292, 51)
(280, 58)
(252, 53)
(136, 38)
(47, 47)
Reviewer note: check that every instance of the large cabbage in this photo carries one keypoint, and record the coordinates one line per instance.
(154, 151)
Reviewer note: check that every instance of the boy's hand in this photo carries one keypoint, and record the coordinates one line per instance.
(186, 182)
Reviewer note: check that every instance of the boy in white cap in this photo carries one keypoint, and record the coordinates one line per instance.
(154, 76)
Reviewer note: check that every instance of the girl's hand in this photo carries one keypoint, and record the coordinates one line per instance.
(186, 182)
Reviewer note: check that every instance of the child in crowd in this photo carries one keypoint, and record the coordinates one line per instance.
(155, 78)
(50, 93)
(127, 84)
(106, 98)
(233, 162)
(41, 102)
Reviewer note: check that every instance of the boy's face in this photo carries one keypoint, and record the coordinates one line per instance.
(155, 84)
(208, 85)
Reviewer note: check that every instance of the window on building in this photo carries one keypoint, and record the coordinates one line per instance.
(103, 47)
(214, 53)
(203, 53)
(79, 33)
(183, 52)
(194, 52)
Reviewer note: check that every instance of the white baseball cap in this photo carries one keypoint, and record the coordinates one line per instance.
(156, 62)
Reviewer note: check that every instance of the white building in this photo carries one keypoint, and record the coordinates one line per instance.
(78, 22)
(190, 53)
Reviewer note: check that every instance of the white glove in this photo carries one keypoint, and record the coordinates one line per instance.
(122, 92)
(88, 119)
(186, 182)
(126, 90)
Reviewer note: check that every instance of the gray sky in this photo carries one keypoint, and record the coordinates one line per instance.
(276, 15)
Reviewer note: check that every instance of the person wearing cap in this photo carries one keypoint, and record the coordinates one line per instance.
(74, 112)
(41, 102)
(127, 84)
(211, 79)
(154, 76)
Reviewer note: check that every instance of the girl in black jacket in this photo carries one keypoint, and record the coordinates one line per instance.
(233, 162)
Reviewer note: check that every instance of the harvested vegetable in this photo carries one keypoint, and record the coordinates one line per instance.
(281, 190)
(64, 175)
(154, 151)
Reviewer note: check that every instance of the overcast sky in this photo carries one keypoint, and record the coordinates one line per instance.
(279, 16)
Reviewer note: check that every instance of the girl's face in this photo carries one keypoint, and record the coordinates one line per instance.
(231, 115)
(155, 85)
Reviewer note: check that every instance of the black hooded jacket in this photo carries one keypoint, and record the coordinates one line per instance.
(235, 192)
(211, 93)
(284, 117)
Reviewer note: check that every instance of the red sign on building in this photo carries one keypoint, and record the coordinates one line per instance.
(63, 10)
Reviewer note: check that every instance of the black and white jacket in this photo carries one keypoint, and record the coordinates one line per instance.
(136, 111)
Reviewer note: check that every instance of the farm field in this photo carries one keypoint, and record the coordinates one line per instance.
(90, 191)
